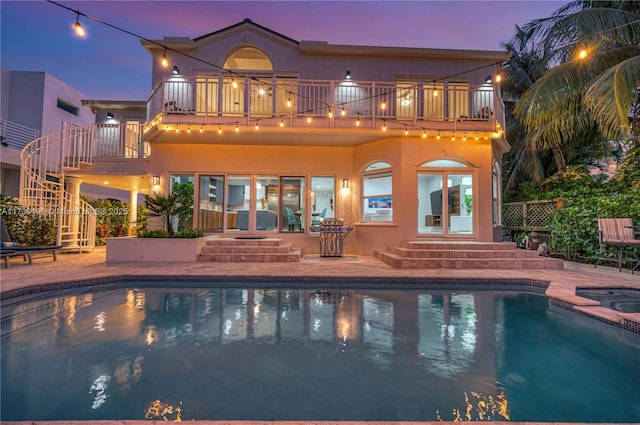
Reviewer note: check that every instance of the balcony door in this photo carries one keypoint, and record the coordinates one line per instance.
(252, 204)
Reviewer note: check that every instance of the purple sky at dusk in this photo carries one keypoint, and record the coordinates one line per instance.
(108, 64)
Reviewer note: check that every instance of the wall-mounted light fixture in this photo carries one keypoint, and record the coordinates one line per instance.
(345, 183)
(109, 116)
(176, 70)
(348, 75)
(156, 180)
(488, 79)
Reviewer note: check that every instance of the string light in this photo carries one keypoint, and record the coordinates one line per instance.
(219, 129)
(384, 126)
(438, 136)
(464, 137)
(234, 83)
(485, 136)
(257, 126)
(261, 91)
(476, 136)
(424, 134)
(330, 113)
(582, 53)
(281, 123)
(237, 128)
(343, 112)
(358, 121)
(383, 105)
(289, 103)
(163, 60)
(188, 129)
(201, 129)
(406, 132)
(177, 129)
(78, 28)
(453, 136)
(309, 118)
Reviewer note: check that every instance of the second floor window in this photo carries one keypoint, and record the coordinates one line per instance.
(66, 106)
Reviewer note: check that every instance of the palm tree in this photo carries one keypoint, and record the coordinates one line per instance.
(177, 204)
(576, 94)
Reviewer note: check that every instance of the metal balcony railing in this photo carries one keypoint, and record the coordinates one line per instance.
(210, 100)
(15, 135)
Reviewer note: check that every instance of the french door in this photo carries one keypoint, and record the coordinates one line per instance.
(445, 204)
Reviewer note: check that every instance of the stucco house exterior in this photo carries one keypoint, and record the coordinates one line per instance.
(277, 134)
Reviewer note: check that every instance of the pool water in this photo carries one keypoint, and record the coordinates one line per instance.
(302, 354)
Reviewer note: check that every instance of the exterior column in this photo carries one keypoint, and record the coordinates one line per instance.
(72, 212)
(133, 211)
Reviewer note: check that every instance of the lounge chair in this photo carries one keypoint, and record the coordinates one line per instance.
(618, 233)
(10, 248)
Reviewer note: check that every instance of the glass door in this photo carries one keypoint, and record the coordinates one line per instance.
(266, 207)
(238, 203)
(445, 208)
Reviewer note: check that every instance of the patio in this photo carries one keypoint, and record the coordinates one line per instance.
(89, 266)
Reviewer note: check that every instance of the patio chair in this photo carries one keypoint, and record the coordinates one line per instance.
(618, 233)
(317, 221)
(10, 248)
(291, 219)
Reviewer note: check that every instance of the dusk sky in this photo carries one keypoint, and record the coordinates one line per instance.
(111, 65)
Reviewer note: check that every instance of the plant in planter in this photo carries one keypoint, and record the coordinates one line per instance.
(178, 204)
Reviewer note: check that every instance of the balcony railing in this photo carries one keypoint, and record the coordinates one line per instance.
(15, 135)
(120, 141)
(212, 100)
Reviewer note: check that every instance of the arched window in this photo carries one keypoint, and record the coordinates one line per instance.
(377, 193)
(248, 59)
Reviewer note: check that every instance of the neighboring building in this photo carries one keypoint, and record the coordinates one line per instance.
(276, 134)
(33, 104)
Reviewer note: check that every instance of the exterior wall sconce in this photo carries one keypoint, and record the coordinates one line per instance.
(109, 116)
(345, 183)
(156, 180)
(348, 75)
(488, 79)
(176, 70)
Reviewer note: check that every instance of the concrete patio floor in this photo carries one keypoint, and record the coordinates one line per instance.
(86, 266)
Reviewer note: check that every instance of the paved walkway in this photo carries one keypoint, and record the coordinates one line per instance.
(73, 266)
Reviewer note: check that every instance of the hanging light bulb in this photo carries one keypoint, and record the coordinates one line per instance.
(330, 113)
(237, 128)
(219, 129)
(78, 28)
(309, 118)
(163, 60)
(476, 136)
(384, 127)
(498, 77)
(281, 123)
(257, 126)
(289, 103)
(424, 134)
(261, 91)
(435, 90)
(464, 137)
(438, 136)
(177, 129)
(485, 136)
(343, 112)
(201, 129)
(406, 132)
(383, 105)
(358, 121)
(188, 129)
(234, 84)
(583, 53)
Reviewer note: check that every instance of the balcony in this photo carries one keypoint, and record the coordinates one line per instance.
(295, 102)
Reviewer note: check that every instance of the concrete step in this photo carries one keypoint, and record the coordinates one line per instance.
(459, 245)
(398, 261)
(470, 253)
(293, 256)
(244, 250)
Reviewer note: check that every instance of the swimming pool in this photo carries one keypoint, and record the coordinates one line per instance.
(313, 354)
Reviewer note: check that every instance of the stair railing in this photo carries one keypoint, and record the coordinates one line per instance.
(42, 189)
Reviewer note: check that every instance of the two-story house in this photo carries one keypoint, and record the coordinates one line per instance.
(277, 134)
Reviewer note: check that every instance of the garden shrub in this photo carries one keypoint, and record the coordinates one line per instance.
(25, 225)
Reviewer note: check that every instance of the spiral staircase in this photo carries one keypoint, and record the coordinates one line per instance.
(45, 162)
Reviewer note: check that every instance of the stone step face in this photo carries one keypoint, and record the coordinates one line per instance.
(461, 245)
(398, 261)
(245, 250)
(453, 253)
(464, 255)
(290, 257)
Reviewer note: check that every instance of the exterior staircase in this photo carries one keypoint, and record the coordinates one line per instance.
(248, 250)
(44, 163)
(464, 255)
